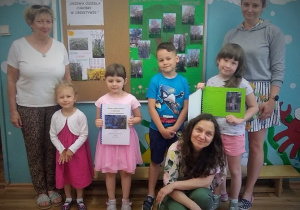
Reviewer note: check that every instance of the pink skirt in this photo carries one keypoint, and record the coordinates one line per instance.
(112, 158)
(79, 171)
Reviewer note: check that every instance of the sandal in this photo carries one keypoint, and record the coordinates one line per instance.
(53, 197)
(66, 205)
(43, 198)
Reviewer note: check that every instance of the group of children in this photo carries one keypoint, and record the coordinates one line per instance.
(167, 94)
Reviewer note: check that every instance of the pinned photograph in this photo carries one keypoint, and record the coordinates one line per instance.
(196, 34)
(135, 35)
(169, 22)
(154, 28)
(188, 14)
(192, 59)
(136, 14)
(179, 42)
(180, 66)
(144, 49)
(136, 67)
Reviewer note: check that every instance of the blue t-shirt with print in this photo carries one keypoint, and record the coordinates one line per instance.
(170, 95)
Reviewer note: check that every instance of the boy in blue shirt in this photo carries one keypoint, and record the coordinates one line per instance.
(168, 95)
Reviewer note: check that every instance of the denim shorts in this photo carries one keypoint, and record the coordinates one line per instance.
(159, 145)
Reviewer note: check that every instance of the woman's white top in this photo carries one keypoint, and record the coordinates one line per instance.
(38, 74)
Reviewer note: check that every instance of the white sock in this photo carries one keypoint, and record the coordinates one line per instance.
(234, 200)
(112, 201)
(216, 196)
(68, 200)
(79, 200)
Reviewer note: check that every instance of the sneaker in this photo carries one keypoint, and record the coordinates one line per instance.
(245, 204)
(126, 205)
(234, 206)
(81, 206)
(216, 200)
(111, 205)
(148, 203)
(224, 197)
(66, 205)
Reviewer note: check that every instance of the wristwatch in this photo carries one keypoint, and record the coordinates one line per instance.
(275, 98)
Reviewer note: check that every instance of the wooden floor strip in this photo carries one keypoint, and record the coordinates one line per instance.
(22, 197)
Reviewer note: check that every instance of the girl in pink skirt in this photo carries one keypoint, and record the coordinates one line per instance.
(69, 134)
(110, 159)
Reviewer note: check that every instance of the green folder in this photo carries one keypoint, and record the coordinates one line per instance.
(218, 101)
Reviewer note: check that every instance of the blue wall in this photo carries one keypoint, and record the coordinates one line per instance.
(222, 15)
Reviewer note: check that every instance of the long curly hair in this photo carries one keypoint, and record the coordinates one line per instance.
(208, 158)
(236, 52)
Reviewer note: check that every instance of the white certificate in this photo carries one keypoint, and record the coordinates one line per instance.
(115, 129)
(84, 12)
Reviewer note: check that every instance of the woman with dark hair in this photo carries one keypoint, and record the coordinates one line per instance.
(193, 167)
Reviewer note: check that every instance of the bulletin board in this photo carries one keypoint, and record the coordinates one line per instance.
(154, 21)
(116, 44)
(121, 46)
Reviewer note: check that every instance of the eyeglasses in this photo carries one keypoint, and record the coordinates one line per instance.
(37, 6)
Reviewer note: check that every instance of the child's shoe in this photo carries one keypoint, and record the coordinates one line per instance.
(216, 200)
(111, 205)
(224, 197)
(245, 204)
(126, 204)
(66, 205)
(148, 203)
(234, 206)
(81, 206)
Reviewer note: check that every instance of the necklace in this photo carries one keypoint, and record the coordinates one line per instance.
(251, 27)
(44, 55)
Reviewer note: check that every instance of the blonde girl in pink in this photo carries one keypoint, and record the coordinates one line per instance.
(69, 134)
